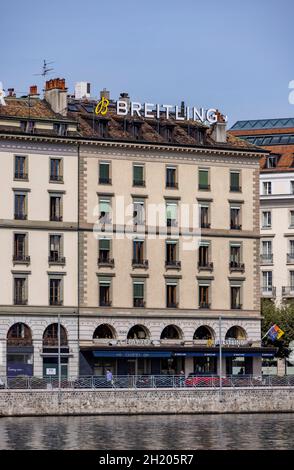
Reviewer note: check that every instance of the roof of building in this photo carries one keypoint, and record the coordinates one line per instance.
(252, 124)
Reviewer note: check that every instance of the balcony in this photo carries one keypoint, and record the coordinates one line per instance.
(172, 304)
(205, 224)
(290, 258)
(20, 301)
(19, 175)
(266, 258)
(288, 291)
(104, 180)
(56, 259)
(205, 305)
(56, 178)
(171, 184)
(268, 292)
(139, 183)
(204, 187)
(140, 263)
(205, 266)
(236, 226)
(55, 218)
(56, 302)
(235, 266)
(173, 264)
(235, 189)
(105, 303)
(21, 259)
(140, 303)
(20, 216)
(103, 261)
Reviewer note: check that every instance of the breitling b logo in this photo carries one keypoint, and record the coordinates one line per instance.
(102, 106)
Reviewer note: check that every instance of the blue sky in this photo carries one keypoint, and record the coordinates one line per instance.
(233, 55)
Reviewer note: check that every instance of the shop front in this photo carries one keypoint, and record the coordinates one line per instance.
(20, 351)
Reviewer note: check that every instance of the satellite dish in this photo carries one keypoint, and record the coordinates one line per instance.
(291, 345)
(291, 357)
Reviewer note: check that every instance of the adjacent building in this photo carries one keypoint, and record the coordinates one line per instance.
(139, 234)
(276, 203)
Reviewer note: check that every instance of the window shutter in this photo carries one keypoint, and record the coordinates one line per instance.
(104, 170)
(138, 290)
(104, 244)
(203, 177)
(138, 173)
(234, 180)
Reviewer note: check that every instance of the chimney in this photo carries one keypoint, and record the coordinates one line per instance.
(125, 97)
(82, 90)
(34, 91)
(11, 92)
(104, 94)
(56, 95)
(219, 133)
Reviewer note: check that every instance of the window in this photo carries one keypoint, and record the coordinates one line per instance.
(20, 291)
(20, 248)
(56, 208)
(204, 256)
(203, 179)
(171, 214)
(171, 294)
(104, 252)
(204, 296)
(235, 181)
(55, 291)
(171, 177)
(290, 255)
(104, 292)
(291, 218)
(104, 210)
(56, 249)
(171, 254)
(138, 293)
(20, 206)
(291, 275)
(235, 256)
(101, 127)
(266, 219)
(138, 175)
(267, 187)
(267, 281)
(139, 211)
(235, 218)
(104, 173)
(20, 167)
(138, 254)
(266, 251)
(204, 216)
(27, 126)
(60, 128)
(271, 161)
(292, 187)
(56, 173)
(236, 297)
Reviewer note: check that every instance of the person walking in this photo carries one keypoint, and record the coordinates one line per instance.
(109, 378)
(182, 378)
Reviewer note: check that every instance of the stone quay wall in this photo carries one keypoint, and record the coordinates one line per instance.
(145, 401)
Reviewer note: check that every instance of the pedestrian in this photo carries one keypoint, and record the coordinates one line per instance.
(182, 378)
(109, 378)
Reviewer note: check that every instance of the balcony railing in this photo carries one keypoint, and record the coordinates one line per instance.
(268, 291)
(139, 303)
(204, 187)
(54, 342)
(171, 223)
(290, 258)
(102, 261)
(171, 184)
(235, 306)
(58, 178)
(56, 259)
(19, 175)
(20, 301)
(204, 305)
(105, 303)
(56, 302)
(172, 304)
(139, 183)
(235, 189)
(266, 258)
(236, 226)
(205, 224)
(173, 264)
(19, 342)
(55, 218)
(236, 266)
(104, 180)
(288, 291)
(21, 259)
(20, 216)
(205, 266)
(140, 263)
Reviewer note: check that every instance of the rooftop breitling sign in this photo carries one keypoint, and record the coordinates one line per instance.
(155, 111)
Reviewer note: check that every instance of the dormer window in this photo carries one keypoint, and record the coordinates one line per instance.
(27, 126)
(60, 128)
(134, 128)
(166, 132)
(101, 127)
(271, 161)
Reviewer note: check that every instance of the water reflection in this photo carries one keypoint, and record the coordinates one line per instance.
(251, 431)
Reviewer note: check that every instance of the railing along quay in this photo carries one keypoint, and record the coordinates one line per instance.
(145, 381)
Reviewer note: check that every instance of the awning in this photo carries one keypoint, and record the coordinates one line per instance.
(132, 353)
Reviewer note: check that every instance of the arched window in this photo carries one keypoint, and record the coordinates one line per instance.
(171, 332)
(104, 331)
(236, 332)
(19, 334)
(204, 332)
(138, 332)
(50, 336)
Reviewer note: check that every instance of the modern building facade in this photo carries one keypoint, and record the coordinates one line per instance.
(140, 233)
(276, 203)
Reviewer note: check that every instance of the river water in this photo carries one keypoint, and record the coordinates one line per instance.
(246, 431)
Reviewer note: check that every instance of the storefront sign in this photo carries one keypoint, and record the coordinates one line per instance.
(156, 111)
(50, 371)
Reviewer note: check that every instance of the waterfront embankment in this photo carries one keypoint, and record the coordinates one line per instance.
(145, 401)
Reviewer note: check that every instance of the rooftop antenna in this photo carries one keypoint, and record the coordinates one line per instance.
(45, 68)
